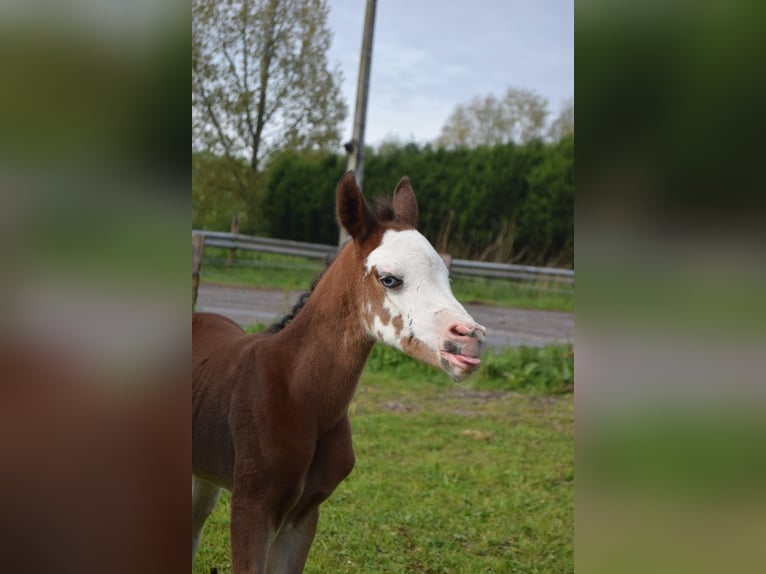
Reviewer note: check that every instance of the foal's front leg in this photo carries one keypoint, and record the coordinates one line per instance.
(204, 497)
(332, 462)
(290, 549)
(259, 505)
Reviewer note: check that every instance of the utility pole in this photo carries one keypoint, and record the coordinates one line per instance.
(355, 148)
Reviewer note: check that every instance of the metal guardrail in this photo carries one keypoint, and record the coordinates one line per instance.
(319, 251)
(266, 244)
(510, 271)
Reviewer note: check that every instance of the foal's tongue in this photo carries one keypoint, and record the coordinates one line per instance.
(468, 360)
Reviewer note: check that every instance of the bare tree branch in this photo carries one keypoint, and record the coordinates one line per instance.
(213, 117)
(519, 116)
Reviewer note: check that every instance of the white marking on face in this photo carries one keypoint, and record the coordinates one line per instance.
(386, 332)
(424, 301)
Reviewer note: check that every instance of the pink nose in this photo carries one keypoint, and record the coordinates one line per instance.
(467, 337)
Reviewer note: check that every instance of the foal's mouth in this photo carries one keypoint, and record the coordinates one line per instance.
(460, 361)
(452, 356)
(454, 359)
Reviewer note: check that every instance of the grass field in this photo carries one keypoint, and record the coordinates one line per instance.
(287, 272)
(477, 477)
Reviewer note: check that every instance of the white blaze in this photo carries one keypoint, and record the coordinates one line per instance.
(424, 301)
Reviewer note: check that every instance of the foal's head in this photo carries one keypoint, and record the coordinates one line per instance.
(406, 298)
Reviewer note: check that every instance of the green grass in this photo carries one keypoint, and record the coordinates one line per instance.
(260, 269)
(548, 370)
(673, 485)
(542, 295)
(477, 477)
(297, 273)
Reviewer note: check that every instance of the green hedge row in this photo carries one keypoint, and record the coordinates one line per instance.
(502, 203)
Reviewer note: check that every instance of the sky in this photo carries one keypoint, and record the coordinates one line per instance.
(431, 55)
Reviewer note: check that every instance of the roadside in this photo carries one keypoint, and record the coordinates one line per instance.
(506, 326)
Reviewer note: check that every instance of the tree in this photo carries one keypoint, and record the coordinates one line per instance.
(261, 83)
(299, 197)
(563, 125)
(519, 117)
(525, 114)
(509, 203)
(215, 196)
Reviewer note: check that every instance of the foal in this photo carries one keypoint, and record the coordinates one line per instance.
(270, 411)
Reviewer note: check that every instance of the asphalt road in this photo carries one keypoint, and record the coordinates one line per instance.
(506, 327)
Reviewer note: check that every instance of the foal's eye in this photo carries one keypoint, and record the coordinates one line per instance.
(390, 282)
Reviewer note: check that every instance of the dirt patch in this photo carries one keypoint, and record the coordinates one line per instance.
(397, 407)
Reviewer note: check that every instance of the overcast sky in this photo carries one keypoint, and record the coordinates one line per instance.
(430, 55)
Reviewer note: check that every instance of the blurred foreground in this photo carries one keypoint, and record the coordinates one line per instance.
(670, 309)
(94, 344)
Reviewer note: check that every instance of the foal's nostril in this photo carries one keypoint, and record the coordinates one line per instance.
(463, 331)
(458, 330)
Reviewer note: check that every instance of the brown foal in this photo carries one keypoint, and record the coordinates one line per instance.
(270, 411)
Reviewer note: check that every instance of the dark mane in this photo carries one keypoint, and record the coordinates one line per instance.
(302, 300)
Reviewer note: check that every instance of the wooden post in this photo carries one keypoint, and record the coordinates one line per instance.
(234, 231)
(198, 244)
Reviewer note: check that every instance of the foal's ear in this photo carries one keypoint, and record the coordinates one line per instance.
(405, 204)
(353, 213)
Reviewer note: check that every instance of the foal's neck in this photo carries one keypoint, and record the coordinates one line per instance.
(329, 346)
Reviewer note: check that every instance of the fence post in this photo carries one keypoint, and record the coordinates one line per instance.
(234, 231)
(198, 244)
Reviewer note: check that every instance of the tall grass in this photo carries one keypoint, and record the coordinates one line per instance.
(546, 370)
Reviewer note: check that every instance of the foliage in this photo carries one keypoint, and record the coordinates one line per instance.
(548, 370)
(519, 116)
(261, 83)
(548, 210)
(508, 203)
(299, 200)
(530, 369)
(563, 125)
(214, 195)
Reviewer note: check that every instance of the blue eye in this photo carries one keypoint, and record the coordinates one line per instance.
(390, 282)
